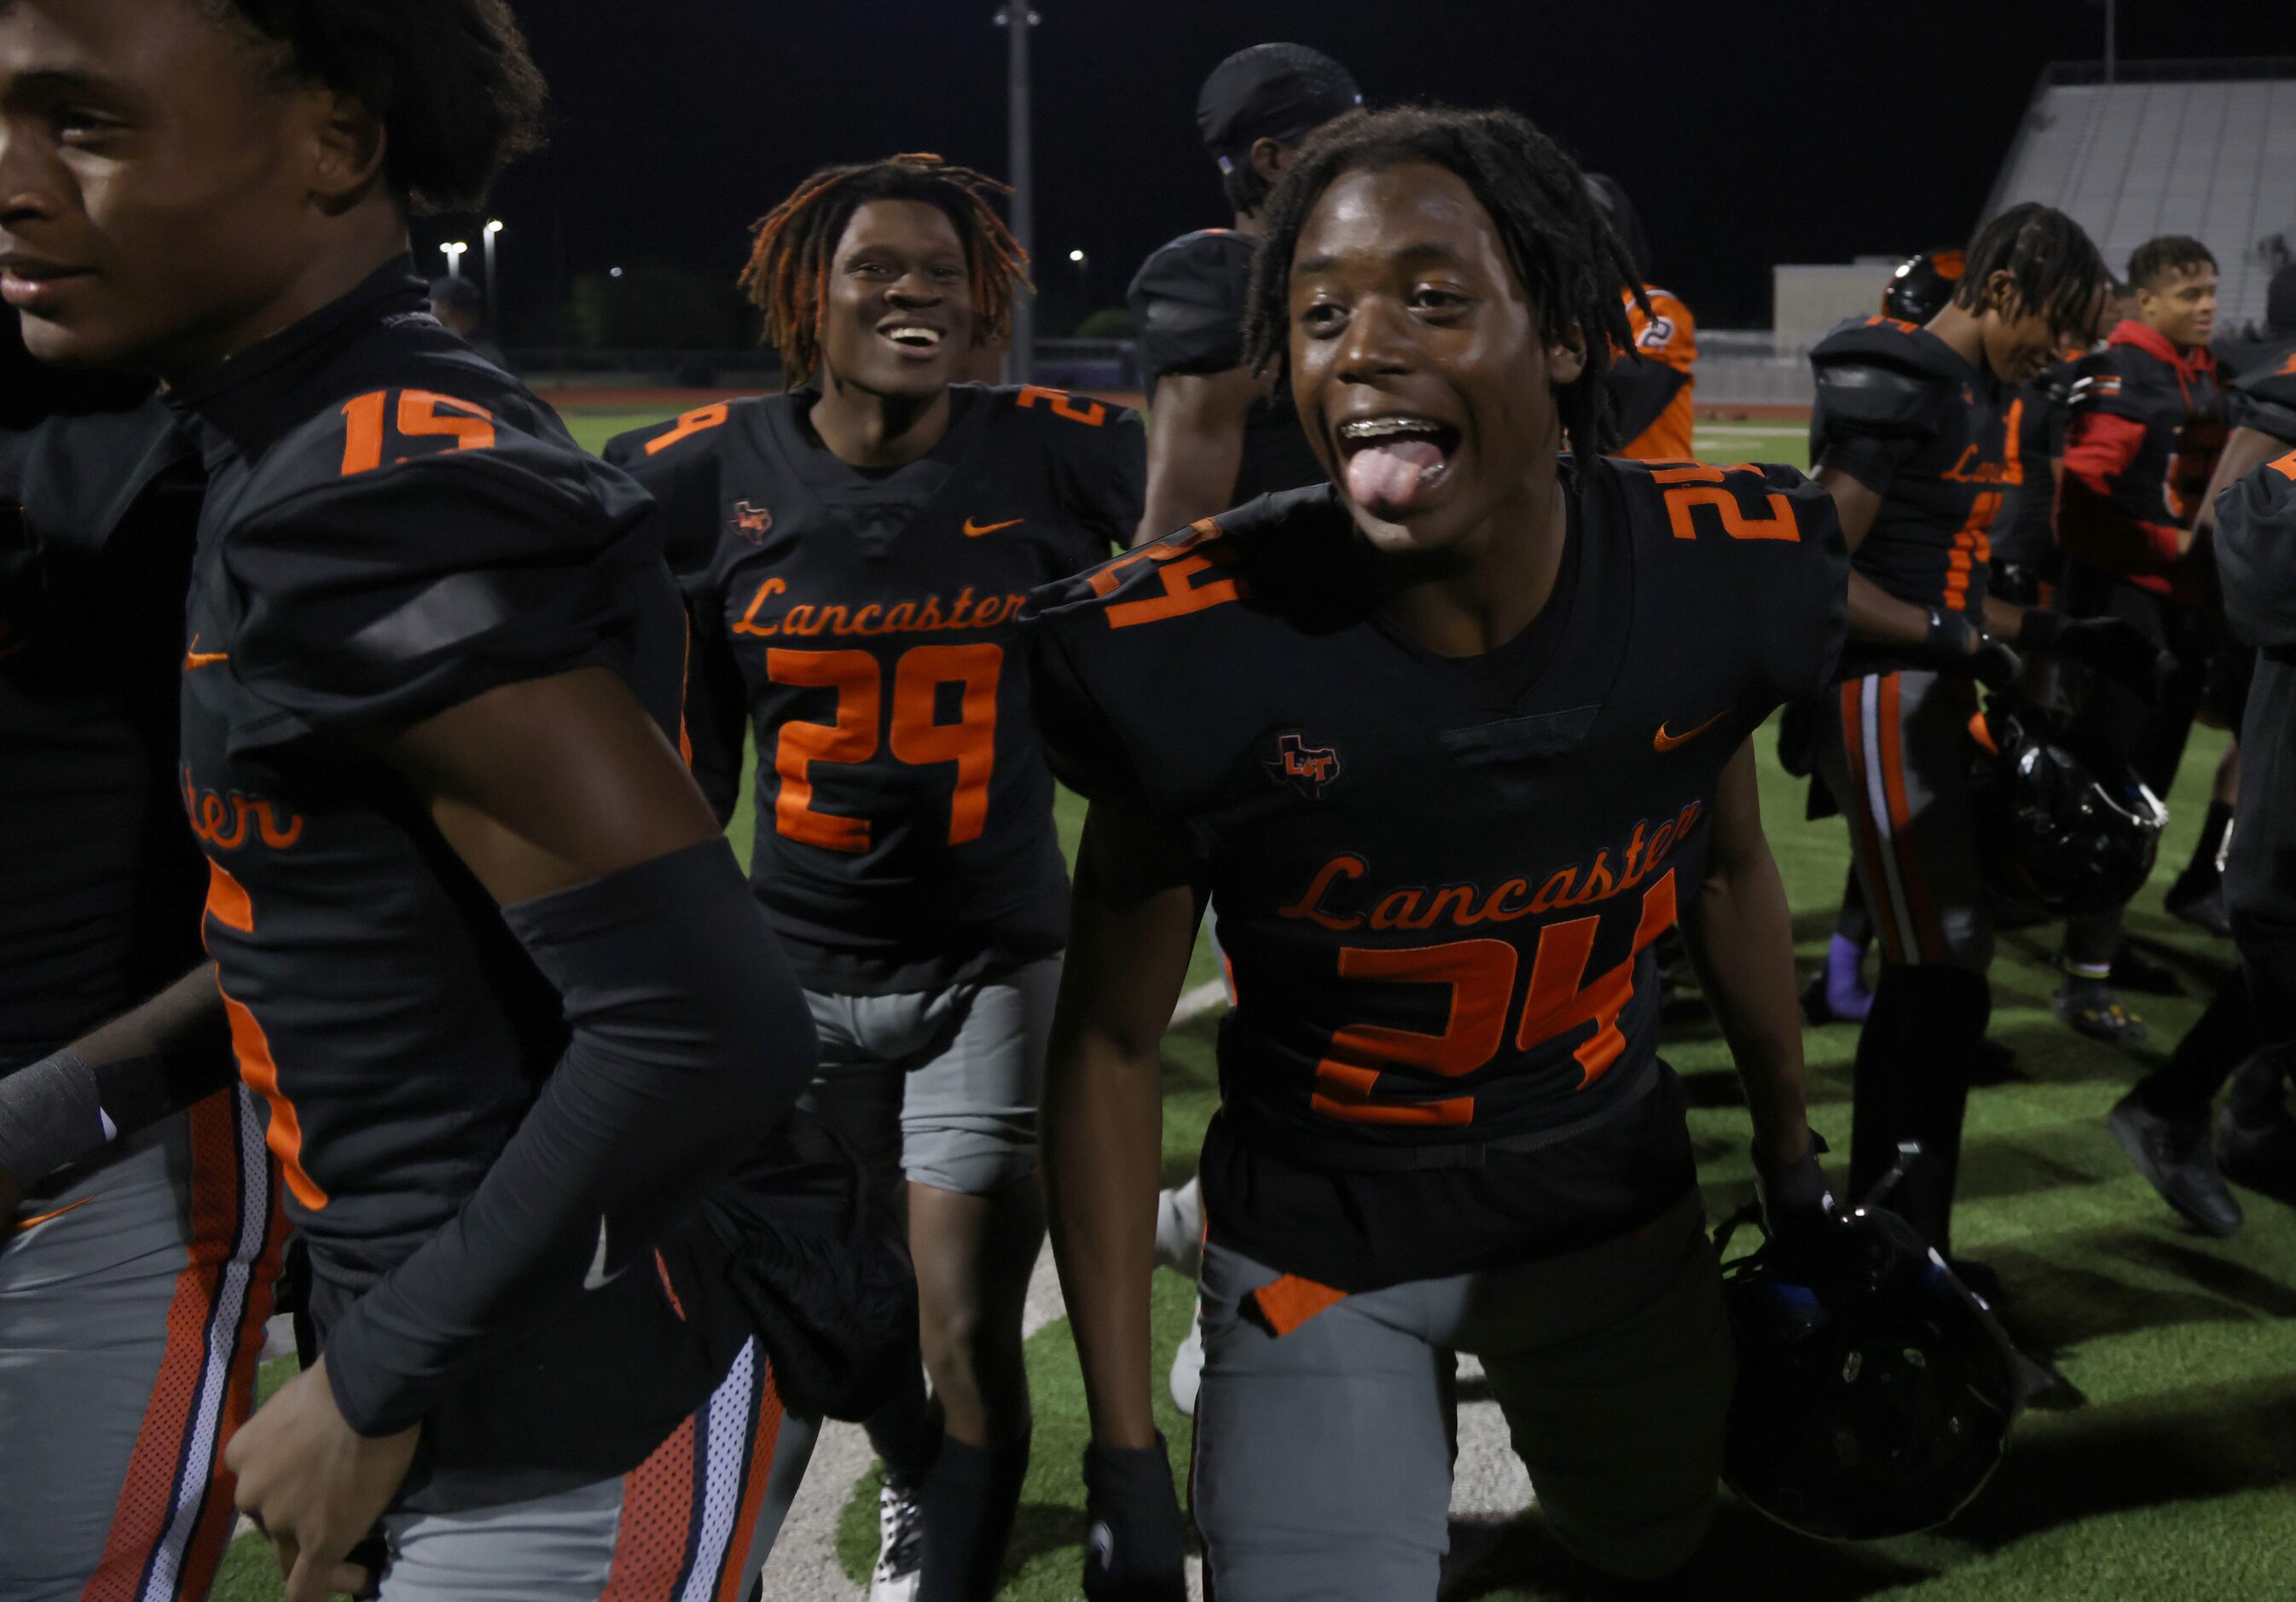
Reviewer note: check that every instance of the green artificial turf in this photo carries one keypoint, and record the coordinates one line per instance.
(2171, 1479)
(592, 430)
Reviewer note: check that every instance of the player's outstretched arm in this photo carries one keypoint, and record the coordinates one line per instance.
(690, 1041)
(158, 1058)
(1195, 447)
(1131, 932)
(1740, 933)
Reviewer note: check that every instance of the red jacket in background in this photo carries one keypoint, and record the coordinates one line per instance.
(2146, 426)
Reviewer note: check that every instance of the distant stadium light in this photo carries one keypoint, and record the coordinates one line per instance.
(453, 252)
(494, 231)
(1077, 256)
(613, 271)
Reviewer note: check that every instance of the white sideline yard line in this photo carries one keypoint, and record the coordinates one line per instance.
(1200, 1002)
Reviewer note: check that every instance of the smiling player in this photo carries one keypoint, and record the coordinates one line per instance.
(1452, 741)
(856, 553)
(479, 946)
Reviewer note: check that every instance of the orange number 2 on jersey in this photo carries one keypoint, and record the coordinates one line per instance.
(1691, 485)
(1481, 974)
(916, 734)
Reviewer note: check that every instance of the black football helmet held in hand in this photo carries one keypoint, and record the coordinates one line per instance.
(1875, 1392)
(2055, 834)
(1922, 285)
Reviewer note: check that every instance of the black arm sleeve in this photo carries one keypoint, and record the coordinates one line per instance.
(717, 707)
(691, 1042)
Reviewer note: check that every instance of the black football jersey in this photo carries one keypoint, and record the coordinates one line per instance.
(392, 527)
(866, 621)
(2025, 532)
(1188, 301)
(1439, 879)
(99, 886)
(1899, 411)
(2256, 549)
(2264, 397)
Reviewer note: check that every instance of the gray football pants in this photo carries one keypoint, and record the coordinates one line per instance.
(693, 1523)
(132, 1296)
(942, 1085)
(1323, 1459)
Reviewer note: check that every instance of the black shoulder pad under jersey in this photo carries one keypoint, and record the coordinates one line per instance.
(679, 462)
(76, 477)
(2263, 398)
(1880, 377)
(2255, 547)
(1188, 300)
(380, 592)
(1748, 541)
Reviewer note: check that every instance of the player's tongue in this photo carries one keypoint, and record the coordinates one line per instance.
(1385, 478)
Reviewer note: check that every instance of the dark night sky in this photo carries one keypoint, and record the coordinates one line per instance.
(1747, 134)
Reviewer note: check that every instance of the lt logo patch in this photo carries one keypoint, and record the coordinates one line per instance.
(1306, 767)
(752, 524)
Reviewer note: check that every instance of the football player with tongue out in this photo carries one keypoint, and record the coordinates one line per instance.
(1452, 740)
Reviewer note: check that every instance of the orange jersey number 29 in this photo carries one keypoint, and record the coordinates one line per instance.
(914, 732)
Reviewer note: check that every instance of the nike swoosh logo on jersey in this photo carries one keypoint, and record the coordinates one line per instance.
(973, 530)
(598, 1279)
(1663, 741)
(35, 1222)
(195, 658)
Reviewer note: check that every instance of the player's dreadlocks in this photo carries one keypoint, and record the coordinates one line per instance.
(788, 274)
(450, 80)
(2052, 264)
(1573, 268)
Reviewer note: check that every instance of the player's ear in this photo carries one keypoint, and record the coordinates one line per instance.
(2001, 293)
(346, 145)
(1566, 358)
(1267, 157)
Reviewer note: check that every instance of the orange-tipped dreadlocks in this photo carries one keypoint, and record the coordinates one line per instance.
(788, 274)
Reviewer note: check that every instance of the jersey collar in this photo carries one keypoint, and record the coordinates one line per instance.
(253, 398)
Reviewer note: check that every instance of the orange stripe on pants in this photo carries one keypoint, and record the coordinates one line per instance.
(1863, 833)
(1929, 933)
(171, 1444)
(649, 1549)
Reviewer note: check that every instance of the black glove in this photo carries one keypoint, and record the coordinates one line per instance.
(2114, 646)
(1799, 1211)
(1134, 1552)
(1955, 648)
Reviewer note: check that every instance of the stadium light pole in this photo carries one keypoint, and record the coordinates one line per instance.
(1016, 18)
(1084, 279)
(453, 252)
(494, 232)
